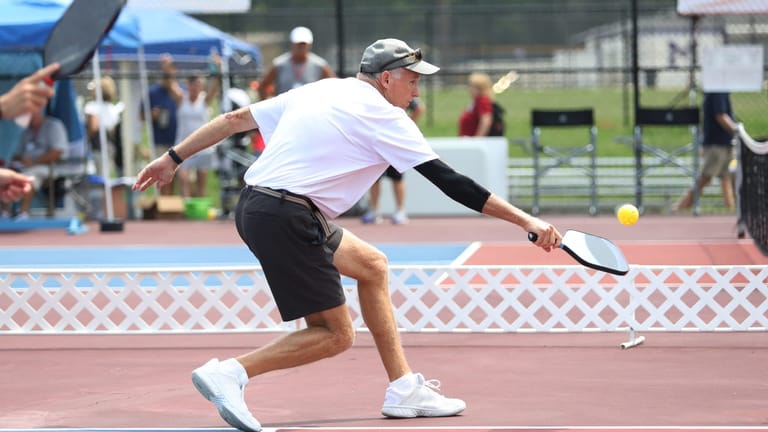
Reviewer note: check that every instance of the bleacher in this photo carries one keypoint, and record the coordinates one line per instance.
(567, 189)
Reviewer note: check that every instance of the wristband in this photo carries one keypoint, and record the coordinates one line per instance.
(175, 156)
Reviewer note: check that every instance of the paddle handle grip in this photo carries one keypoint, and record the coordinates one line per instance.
(23, 120)
(532, 236)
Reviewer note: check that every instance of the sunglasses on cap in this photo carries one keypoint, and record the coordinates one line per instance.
(402, 61)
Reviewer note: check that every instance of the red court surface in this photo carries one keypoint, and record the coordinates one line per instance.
(510, 381)
(506, 379)
(515, 429)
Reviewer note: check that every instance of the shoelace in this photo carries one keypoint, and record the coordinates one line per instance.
(433, 384)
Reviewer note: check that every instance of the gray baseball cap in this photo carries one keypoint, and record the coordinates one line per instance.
(389, 54)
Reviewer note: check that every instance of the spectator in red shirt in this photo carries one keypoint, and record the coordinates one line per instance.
(476, 120)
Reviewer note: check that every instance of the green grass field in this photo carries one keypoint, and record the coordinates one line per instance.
(445, 105)
(608, 103)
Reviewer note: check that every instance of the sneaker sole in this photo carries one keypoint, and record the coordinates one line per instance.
(402, 412)
(206, 389)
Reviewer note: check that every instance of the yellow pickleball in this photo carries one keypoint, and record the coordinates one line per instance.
(627, 214)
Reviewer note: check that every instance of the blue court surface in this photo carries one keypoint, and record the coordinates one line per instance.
(194, 256)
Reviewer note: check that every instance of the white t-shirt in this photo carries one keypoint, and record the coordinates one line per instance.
(107, 113)
(190, 116)
(331, 140)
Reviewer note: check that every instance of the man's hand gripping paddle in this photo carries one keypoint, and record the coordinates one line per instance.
(592, 251)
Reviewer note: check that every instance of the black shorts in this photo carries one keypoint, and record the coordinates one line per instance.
(294, 244)
(392, 173)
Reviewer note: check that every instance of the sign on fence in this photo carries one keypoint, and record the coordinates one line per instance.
(732, 68)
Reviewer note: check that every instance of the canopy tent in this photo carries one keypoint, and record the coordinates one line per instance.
(722, 7)
(170, 31)
(24, 29)
(25, 25)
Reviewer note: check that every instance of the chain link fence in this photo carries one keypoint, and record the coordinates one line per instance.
(567, 54)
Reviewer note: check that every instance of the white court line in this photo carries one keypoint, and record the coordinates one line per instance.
(460, 260)
(420, 428)
(468, 252)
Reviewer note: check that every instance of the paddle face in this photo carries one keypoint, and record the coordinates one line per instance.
(593, 251)
(78, 32)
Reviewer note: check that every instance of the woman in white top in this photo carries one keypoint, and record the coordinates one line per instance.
(192, 113)
(106, 112)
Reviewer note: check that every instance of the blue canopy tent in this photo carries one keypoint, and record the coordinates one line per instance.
(170, 31)
(25, 25)
(24, 29)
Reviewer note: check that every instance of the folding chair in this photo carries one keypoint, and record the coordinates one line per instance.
(64, 178)
(666, 156)
(563, 156)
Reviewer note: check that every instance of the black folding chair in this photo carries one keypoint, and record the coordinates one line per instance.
(560, 156)
(666, 155)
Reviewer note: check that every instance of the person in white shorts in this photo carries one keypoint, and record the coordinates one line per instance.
(193, 111)
(326, 143)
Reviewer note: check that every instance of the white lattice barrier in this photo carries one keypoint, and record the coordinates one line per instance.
(426, 298)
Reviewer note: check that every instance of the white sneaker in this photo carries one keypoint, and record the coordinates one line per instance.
(424, 401)
(227, 394)
(371, 217)
(399, 218)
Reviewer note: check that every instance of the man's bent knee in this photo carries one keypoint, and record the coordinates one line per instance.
(338, 323)
(376, 267)
(345, 338)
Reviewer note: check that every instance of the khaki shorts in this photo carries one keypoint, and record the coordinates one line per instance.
(716, 161)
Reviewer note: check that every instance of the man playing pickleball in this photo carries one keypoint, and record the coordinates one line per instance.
(326, 144)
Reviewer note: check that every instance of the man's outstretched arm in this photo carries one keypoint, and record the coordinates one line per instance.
(466, 191)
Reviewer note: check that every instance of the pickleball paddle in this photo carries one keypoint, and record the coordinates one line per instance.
(75, 37)
(592, 251)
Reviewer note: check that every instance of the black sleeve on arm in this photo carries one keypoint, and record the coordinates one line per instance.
(459, 187)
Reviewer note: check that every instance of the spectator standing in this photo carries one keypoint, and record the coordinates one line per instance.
(477, 119)
(164, 98)
(295, 68)
(193, 112)
(108, 112)
(718, 129)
